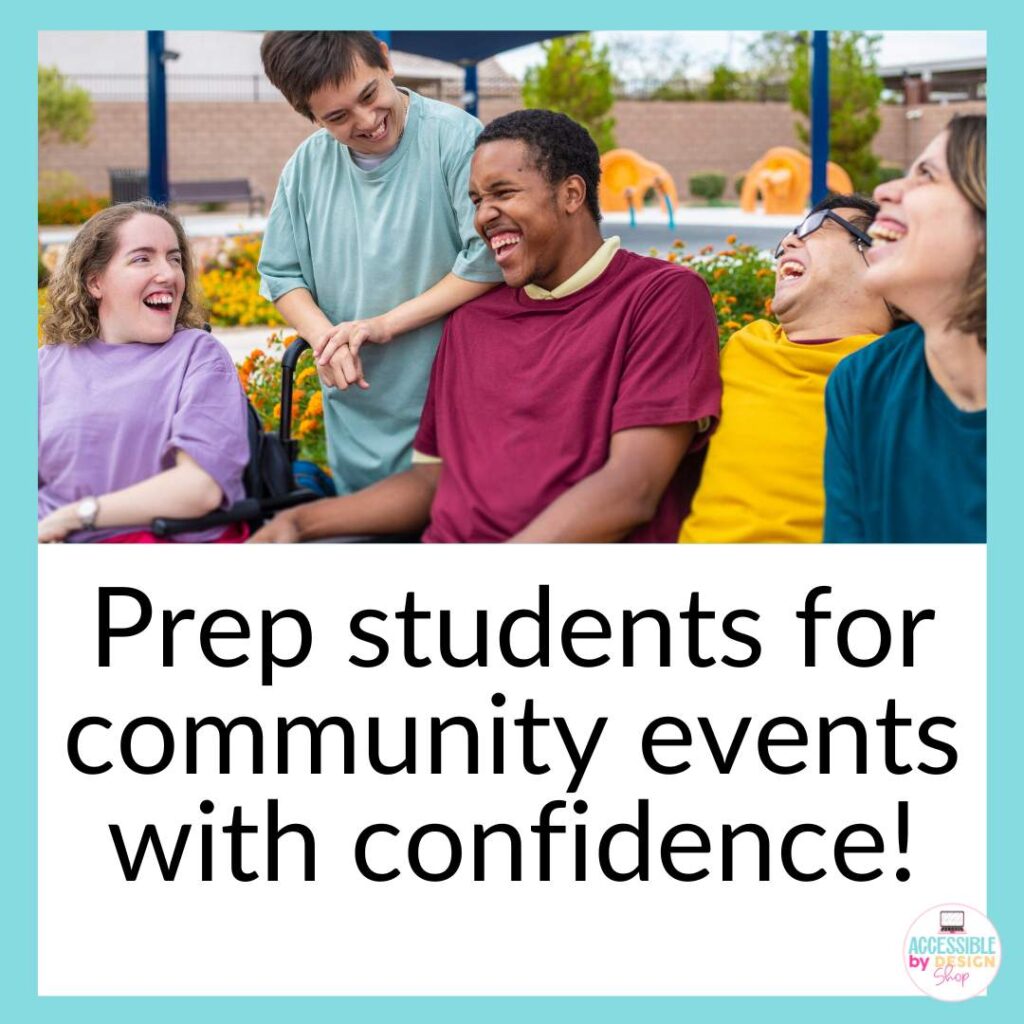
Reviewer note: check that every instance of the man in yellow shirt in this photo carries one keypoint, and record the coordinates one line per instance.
(762, 479)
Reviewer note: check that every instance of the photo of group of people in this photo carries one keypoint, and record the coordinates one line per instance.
(494, 367)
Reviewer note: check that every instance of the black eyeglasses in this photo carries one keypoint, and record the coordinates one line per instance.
(811, 224)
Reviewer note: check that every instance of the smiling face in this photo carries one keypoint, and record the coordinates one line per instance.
(365, 112)
(926, 235)
(139, 292)
(521, 216)
(820, 272)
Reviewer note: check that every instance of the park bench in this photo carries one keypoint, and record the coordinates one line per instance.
(128, 184)
(227, 190)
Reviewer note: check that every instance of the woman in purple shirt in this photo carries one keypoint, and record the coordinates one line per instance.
(141, 413)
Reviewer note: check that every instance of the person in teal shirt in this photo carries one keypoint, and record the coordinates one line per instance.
(370, 239)
(905, 450)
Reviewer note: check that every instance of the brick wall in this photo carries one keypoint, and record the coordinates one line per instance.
(205, 140)
(253, 140)
(906, 131)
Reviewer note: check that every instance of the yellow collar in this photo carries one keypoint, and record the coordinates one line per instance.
(590, 271)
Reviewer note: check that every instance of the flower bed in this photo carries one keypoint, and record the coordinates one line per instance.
(260, 374)
(741, 280)
(70, 210)
(231, 285)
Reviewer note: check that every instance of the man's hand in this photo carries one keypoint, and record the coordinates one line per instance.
(282, 529)
(337, 351)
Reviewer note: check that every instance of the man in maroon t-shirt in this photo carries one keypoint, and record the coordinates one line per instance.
(565, 406)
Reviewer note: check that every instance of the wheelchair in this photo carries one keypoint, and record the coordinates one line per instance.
(270, 478)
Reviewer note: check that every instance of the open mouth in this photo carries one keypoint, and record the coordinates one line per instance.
(885, 232)
(379, 132)
(159, 302)
(790, 270)
(504, 244)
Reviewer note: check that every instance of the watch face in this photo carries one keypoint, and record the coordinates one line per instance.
(87, 509)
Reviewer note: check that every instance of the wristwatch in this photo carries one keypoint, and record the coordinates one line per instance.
(87, 511)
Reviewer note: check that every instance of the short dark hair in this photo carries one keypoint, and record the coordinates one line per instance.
(850, 201)
(302, 63)
(558, 145)
(868, 210)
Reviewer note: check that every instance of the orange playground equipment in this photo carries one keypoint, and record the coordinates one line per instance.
(626, 177)
(783, 179)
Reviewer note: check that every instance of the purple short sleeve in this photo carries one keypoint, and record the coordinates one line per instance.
(209, 423)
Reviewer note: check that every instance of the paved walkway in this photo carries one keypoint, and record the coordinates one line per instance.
(197, 225)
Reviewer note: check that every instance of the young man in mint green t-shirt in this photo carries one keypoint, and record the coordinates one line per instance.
(370, 239)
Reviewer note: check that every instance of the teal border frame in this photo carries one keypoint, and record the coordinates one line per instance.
(19, 1002)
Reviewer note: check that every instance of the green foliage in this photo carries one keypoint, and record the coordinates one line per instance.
(770, 60)
(677, 90)
(708, 186)
(888, 173)
(575, 79)
(65, 111)
(738, 183)
(64, 200)
(725, 84)
(854, 94)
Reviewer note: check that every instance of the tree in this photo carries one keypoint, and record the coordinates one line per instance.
(65, 111)
(651, 65)
(854, 94)
(770, 58)
(725, 84)
(575, 79)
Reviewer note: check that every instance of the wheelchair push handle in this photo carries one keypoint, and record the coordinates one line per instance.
(288, 363)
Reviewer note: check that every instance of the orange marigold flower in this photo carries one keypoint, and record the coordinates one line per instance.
(732, 325)
(316, 404)
(672, 257)
(730, 240)
(678, 244)
(719, 272)
(304, 375)
(707, 249)
(768, 306)
(747, 318)
(277, 410)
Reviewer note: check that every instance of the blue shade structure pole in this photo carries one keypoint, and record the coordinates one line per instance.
(819, 117)
(470, 91)
(159, 189)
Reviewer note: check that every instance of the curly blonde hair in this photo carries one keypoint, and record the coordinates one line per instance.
(74, 313)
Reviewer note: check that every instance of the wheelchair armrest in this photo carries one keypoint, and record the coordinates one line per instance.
(248, 510)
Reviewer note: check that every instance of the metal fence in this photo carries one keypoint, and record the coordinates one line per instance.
(133, 88)
(202, 88)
